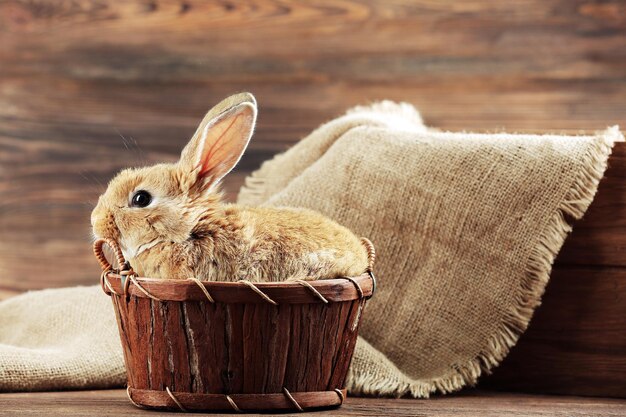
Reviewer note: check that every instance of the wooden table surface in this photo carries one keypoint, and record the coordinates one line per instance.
(472, 403)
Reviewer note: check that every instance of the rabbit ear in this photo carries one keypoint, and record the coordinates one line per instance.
(220, 140)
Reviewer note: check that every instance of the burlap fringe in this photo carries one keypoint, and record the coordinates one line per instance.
(254, 184)
(538, 268)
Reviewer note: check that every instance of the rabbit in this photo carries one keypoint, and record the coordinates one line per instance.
(170, 221)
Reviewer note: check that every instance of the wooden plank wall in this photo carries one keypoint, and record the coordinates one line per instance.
(88, 87)
(77, 77)
(576, 341)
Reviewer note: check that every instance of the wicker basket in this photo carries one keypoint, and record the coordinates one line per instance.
(235, 346)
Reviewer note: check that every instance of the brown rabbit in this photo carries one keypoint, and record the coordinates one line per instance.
(170, 221)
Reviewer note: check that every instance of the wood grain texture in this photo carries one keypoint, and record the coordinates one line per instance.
(576, 342)
(204, 351)
(278, 402)
(600, 237)
(89, 87)
(333, 290)
(469, 404)
(78, 77)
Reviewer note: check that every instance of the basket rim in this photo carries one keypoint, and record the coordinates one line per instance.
(194, 401)
(281, 292)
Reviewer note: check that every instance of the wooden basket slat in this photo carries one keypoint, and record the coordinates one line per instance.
(330, 347)
(191, 316)
(178, 348)
(254, 319)
(346, 341)
(280, 327)
(245, 402)
(235, 352)
(158, 356)
(294, 350)
(299, 352)
(315, 317)
(337, 362)
(143, 332)
(239, 345)
(210, 342)
(126, 339)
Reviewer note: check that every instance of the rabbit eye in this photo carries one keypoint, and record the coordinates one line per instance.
(141, 198)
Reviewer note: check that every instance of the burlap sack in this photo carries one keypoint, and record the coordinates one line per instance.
(466, 227)
(59, 339)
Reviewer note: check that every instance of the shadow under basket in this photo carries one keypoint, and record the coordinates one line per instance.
(235, 346)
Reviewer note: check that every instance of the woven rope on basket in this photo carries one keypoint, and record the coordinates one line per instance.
(233, 404)
(120, 281)
(130, 276)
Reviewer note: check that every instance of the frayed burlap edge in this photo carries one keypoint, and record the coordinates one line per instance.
(394, 383)
(538, 268)
(386, 113)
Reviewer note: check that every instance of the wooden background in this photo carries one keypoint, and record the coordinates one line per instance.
(89, 87)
